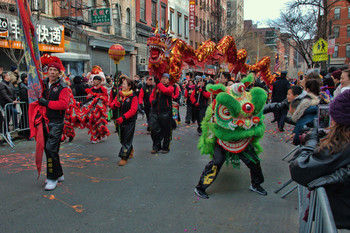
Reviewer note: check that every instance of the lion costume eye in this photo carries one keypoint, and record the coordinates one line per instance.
(248, 108)
(162, 39)
(224, 113)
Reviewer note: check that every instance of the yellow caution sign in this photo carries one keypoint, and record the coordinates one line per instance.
(320, 50)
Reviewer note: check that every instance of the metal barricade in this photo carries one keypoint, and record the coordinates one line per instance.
(320, 217)
(80, 98)
(15, 119)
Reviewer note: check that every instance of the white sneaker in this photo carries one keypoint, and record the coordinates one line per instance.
(94, 142)
(59, 179)
(51, 185)
(104, 138)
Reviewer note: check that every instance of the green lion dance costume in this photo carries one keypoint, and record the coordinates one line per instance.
(232, 128)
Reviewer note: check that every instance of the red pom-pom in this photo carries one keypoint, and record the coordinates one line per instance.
(240, 123)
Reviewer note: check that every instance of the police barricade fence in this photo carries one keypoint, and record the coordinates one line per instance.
(80, 98)
(14, 119)
(319, 217)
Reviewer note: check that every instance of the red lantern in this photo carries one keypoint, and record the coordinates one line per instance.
(116, 52)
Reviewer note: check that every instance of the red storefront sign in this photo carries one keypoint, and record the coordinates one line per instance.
(192, 15)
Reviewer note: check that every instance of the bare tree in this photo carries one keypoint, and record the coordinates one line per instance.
(14, 54)
(298, 30)
(323, 8)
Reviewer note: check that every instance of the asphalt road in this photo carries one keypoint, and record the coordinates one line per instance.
(152, 193)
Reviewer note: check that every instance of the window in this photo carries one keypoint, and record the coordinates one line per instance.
(200, 25)
(208, 26)
(335, 54)
(117, 23)
(154, 13)
(348, 50)
(163, 15)
(337, 13)
(105, 4)
(171, 19)
(186, 27)
(348, 31)
(203, 26)
(128, 23)
(196, 25)
(143, 10)
(179, 23)
(336, 31)
(348, 12)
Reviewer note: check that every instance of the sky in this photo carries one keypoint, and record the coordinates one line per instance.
(262, 10)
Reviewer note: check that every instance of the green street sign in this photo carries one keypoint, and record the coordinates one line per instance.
(320, 50)
(101, 17)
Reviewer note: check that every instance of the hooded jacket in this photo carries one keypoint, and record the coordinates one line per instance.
(304, 115)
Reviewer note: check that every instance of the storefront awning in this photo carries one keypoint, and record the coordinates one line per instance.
(73, 56)
(103, 43)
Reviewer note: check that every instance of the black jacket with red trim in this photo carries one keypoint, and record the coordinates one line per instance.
(58, 97)
(161, 98)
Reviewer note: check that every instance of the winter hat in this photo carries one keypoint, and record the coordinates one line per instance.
(336, 74)
(166, 75)
(55, 65)
(339, 108)
(13, 68)
(97, 78)
(23, 76)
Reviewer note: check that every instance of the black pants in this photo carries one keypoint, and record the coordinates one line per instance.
(161, 130)
(52, 148)
(212, 169)
(127, 130)
(199, 114)
(281, 118)
(147, 112)
(189, 112)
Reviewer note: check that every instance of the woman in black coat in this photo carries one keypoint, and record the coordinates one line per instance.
(328, 163)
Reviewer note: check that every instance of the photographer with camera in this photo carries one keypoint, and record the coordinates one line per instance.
(328, 163)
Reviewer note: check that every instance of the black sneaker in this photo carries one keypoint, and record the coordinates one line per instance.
(258, 189)
(201, 193)
(165, 151)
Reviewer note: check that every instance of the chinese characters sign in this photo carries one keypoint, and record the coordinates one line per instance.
(192, 15)
(101, 17)
(50, 38)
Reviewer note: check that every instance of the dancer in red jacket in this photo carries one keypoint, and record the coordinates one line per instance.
(127, 103)
(161, 114)
(199, 99)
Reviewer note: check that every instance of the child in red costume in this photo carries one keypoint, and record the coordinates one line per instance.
(94, 111)
(127, 104)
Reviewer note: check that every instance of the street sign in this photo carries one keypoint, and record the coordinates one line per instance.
(320, 51)
(101, 17)
(331, 46)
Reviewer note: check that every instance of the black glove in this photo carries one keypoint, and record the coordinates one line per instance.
(340, 176)
(156, 80)
(44, 102)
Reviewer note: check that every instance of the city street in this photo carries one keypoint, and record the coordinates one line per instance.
(152, 193)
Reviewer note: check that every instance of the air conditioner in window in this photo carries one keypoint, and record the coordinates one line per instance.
(142, 61)
(197, 29)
